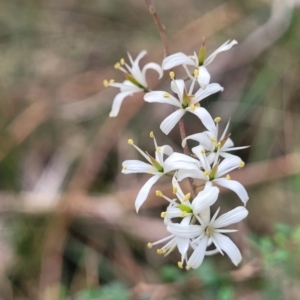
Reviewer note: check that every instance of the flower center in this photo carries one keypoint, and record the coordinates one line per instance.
(155, 163)
(209, 231)
(186, 99)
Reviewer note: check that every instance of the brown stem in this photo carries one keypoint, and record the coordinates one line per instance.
(160, 26)
(163, 37)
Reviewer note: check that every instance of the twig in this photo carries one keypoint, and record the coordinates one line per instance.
(159, 25)
(163, 37)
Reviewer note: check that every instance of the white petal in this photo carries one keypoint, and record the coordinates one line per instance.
(197, 174)
(185, 231)
(144, 192)
(163, 150)
(179, 192)
(178, 161)
(198, 151)
(136, 166)
(169, 123)
(235, 186)
(205, 199)
(153, 66)
(231, 217)
(227, 165)
(178, 86)
(203, 138)
(226, 46)
(204, 93)
(203, 78)
(228, 247)
(118, 101)
(196, 258)
(176, 60)
(229, 143)
(158, 96)
(183, 245)
(204, 116)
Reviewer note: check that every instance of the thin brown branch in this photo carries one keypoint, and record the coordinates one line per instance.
(160, 26)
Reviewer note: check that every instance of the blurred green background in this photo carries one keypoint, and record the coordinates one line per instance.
(68, 229)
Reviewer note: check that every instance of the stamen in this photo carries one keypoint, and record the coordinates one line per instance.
(174, 190)
(202, 151)
(151, 172)
(163, 214)
(158, 193)
(196, 72)
(151, 134)
(117, 65)
(159, 251)
(125, 168)
(180, 265)
(105, 83)
(172, 75)
(166, 95)
(187, 197)
(192, 107)
(219, 145)
(111, 81)
(130, 142)
(206, 173)
(183, 214)
(241, 164)
(122, 61)
(228, 177)
(187, 268)
(158, 149)
(149, 245)
(213, 139)
(217, 119)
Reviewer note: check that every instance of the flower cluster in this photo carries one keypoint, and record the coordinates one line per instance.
(188, 217)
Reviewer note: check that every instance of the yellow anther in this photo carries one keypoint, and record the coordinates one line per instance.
(183, 214)
(117, 65)
(241, 164)
(180, 265)
(151, 134)
(186, 197)
(151, 172)
(193, 107)
(206, 173)
(196, 72)
(159, 251)
(164, 251)
(122, 61)
(213, 139)
(125, 168)
(149, 245)
(158, 193)
(202, 151)
(172, 75)
(130, 142)
(217, 119)
(166, 95)
(163, 214)
(158, 149)
(187, 268)
(174, 190)
(228, 177)
(219, 145)
(111, 81)
(105, 83)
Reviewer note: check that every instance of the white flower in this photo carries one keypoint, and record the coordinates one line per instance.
(135, 80)
(155, 167)
(198, 62)
(179, 238)
(185, 101)
(211, 144)
(216, 172)
(186, 208)
(210, 231)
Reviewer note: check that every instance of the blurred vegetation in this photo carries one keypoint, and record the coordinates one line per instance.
(68, 229)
